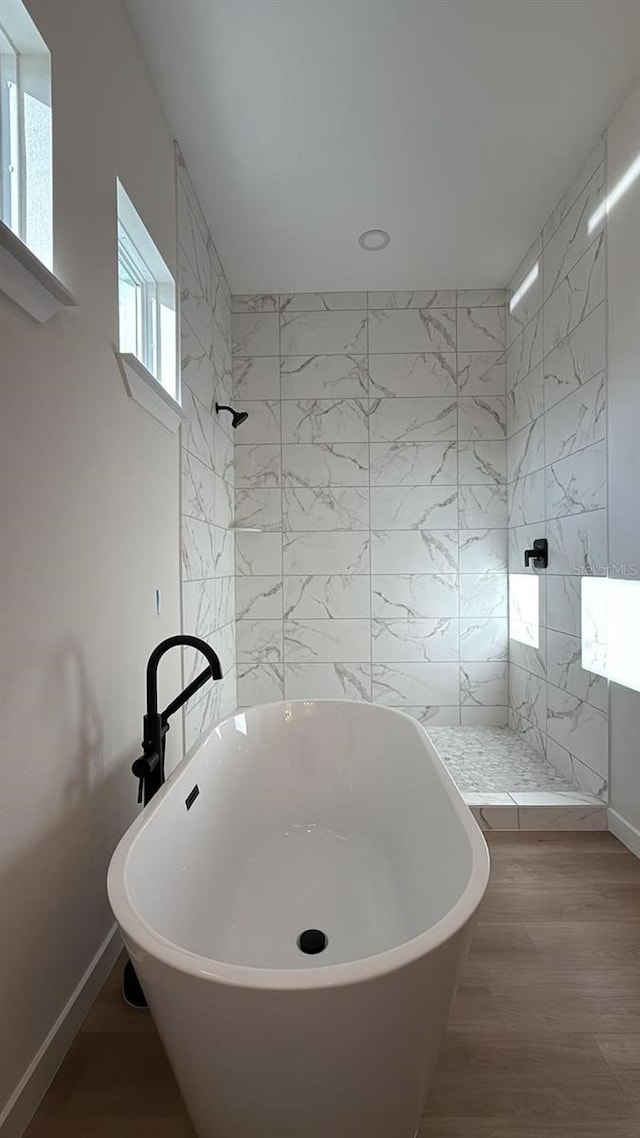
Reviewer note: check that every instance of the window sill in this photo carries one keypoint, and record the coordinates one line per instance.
(142, 386)
(27, 282)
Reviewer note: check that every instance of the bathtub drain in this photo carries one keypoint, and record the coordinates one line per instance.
(312, 941)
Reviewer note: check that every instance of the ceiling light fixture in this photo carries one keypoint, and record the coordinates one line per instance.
(373, 240)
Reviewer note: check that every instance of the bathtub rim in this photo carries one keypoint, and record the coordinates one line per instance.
(346, 973)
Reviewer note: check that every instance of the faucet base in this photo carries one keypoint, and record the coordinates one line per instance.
(132, 993)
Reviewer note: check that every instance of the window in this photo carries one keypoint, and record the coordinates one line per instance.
(25, 131)
(146, 299)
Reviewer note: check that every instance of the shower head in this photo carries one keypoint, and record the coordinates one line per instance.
(237, 417)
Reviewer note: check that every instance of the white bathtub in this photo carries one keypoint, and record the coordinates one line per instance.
(329, 815)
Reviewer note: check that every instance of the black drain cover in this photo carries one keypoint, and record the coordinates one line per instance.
(312, 941)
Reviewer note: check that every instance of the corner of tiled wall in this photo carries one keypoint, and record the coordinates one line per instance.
(207, 486)
(556, 427)
(373, 465)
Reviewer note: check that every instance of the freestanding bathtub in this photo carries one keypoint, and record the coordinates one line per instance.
(324, 815)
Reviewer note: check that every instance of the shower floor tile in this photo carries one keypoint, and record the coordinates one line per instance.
(508, 785)
(494, 760)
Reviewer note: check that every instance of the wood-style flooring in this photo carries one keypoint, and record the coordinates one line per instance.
(544, 1041)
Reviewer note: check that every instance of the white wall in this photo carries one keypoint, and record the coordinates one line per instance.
(624, 435)
(90, 529)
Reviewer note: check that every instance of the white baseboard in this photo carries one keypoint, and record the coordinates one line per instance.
(629, 835)
(40, 1073)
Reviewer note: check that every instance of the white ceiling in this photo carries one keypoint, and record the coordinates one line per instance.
(453, 124)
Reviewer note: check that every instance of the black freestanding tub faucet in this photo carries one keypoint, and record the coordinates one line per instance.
(149, 768)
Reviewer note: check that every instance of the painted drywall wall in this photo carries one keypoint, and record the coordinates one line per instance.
(90, 529)
(623, 233)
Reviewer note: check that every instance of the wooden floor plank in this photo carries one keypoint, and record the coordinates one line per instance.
(544, 1040)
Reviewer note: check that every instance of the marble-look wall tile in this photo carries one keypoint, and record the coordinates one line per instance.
(414, 551)
(525, 450)
(412, 330)
(259, 598)
(576, 771)
(528, 696)
(325, 509)
(412, 596)
(336, 680)
(564, 669)
(481, 329)
(483, 550)
(305, 553)
(414, 464)
(255, 302)
(527, 499)
(258, 464)
(483, 595)
(483, 684)
(563, 604)
(417, 507)
(438, 298)
(255, 334)
(326, 596)
(413, 375)
(324, 421)
(256, 377)
(199, 608)
(482, 462)
(481, 297)
(577, 359)
(481, 373)
(578, 727)
(197, 488)
(325, 464)
(556, 425)
(531, 299)
(572, 237)
(318, 333)
(260, 508)
(327, 641)
(414, 640)
(588, 168)
(370, 441)
(482, 505)
(525, 401)
(526, 351)
(482, 417)
(576, 421)
(324, 377)
(577, 483)
(322, 301)
(208, 594)
(484, 638)
(423, 684)
(258, 554)
(577, 295)
(579, 543)
(263, 424)
(260, 683)
(413, 420)
(197, 428)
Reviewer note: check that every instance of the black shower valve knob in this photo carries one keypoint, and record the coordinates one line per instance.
(539, 555)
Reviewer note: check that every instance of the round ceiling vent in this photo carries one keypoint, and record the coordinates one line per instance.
(373, 240)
